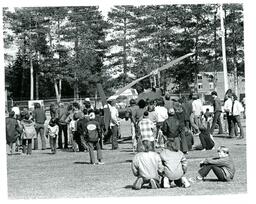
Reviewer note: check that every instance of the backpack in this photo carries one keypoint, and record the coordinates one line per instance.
(29, 131)
(92, 132)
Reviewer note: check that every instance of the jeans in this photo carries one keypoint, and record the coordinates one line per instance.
(64, 129)
(219, 172)
(91, 151)
(216, 120)
(53, 144)
(114, 131)
(236, 120)
(206, 140)
(40, 129)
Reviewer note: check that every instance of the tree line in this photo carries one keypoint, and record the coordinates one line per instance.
(70, 49)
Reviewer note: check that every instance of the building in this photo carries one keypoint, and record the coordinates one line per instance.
(210, 81)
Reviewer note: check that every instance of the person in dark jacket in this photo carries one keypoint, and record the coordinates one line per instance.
(92, 136)
(13, 130)
(217, 113)
(39, 118)
(171, 128)
(222, 166)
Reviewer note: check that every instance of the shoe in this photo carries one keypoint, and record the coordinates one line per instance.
(138, 184)
(199, 178)
(203, 150)
(185, 182)
(153, 184)
(101, 163)
(166, 183)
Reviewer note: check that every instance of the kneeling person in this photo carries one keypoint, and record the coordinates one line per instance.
(146, 166)
(175, 166)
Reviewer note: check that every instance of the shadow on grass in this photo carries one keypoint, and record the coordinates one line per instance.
(82, 163)
(240, 144)
(50, 153)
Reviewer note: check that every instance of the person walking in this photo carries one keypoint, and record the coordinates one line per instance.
(39, 117)
(217, 110)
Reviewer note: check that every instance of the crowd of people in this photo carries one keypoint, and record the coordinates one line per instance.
(162, 131)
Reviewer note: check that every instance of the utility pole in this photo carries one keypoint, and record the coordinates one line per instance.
(224, 60)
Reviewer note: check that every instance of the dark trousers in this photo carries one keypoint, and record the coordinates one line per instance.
(91, 146)
(236, 120)
(27, 146)
(216, 120)
(114, 131)
(64, 129)
(206, 140)
(219, 172)
(183, 141)
(40, 130)
(53, 144)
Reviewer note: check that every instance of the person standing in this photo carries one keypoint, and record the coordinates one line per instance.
(52, 133)
(39, 118)
(29, 132)
(197, 110)
(62, 113)
(92, 135)
(187, 109)
(13, 131)
(217, 113)
(227, 109)
(236, 110)
(114, 123)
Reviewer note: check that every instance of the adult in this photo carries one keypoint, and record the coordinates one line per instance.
(217, 110)
(197, 109)
(175, 166)
(227, 109)
(147, 166)
(13, 131)
(146, 128)
(171, 128)
(16, 110)
(236, 110)
(161, 115)
(62, 114)
(222, 166)
(114, 123)
(39, 118)
(187, 109)
(168, 103)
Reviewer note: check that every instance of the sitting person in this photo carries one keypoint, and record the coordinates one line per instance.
(222, 166)
(146, 166)
(175, 166)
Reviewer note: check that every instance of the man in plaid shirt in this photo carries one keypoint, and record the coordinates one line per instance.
(146, 127)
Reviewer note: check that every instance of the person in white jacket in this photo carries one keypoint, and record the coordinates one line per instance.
(236, 110)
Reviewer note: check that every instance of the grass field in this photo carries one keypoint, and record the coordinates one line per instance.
(69, 175)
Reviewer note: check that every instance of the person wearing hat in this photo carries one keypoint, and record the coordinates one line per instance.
(222, 166)
(175, 166)
(147, 166)
(171, 128)
(146, 128)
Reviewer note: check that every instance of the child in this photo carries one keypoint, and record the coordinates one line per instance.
(29, 132)
(92, 132)
(222, 166)
(146, 166)
(175, 166)
(52, 132)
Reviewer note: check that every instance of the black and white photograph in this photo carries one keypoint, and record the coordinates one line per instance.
(122, 99)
